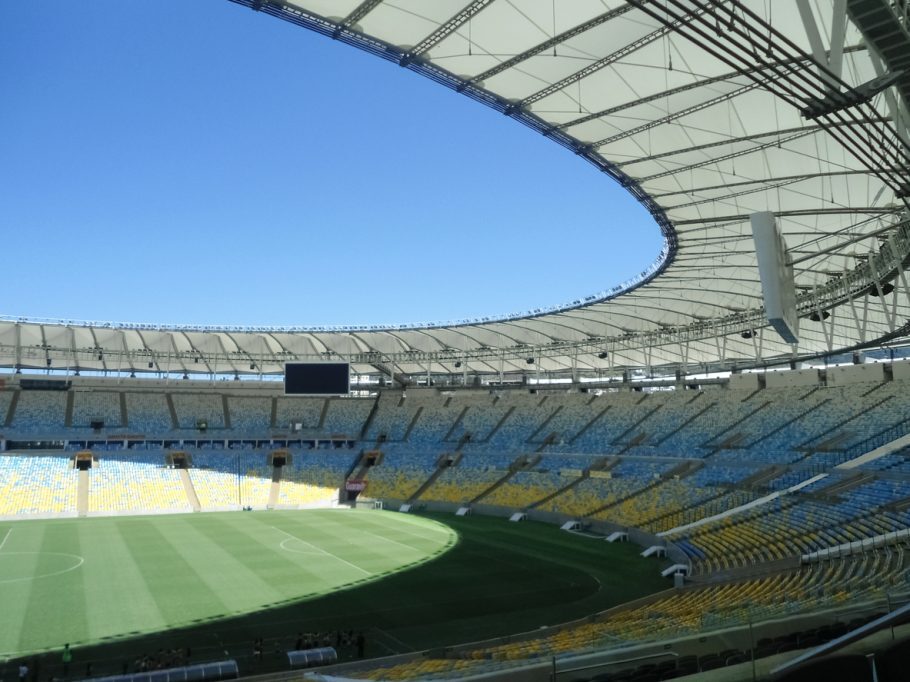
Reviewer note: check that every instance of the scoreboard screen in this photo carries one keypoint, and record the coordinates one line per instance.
(317, 378)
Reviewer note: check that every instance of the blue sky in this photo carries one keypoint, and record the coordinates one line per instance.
(196, 162)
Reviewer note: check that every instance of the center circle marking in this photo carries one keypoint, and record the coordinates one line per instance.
(75, 560)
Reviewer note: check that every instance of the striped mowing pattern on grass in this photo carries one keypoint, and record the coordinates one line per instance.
(89, 580)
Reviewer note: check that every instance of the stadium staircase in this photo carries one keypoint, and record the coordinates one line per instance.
(273, 413)
(875, 387)
(191, 496)
(360, 466)
(499, 424)
(638, 439)
(560, 491)
(368, 422)
(680, 471)
(11, 410)
(759, 478)
(832, 444)
(437, 472)
(591, 422)
(703, 506)
(900, 505)
(82, 494)
(734, 441)
(712, 441)
(787, 424)
(275, 490)
(885, 442)
(548, 441)
(763, 569)
(124, 414)
(690, 420)
(448, 437)
(226, 410)
(544, 424)
(520, 464)
(604, 464)
(607, 463)
(752, 395)
(811, 392)
(325, 410)
(826, 442)
(355, 464)
(175, 421)
(68, 413)
(412, 424)
(624, 439)
(849, 483)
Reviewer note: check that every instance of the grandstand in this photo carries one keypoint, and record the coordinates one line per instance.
(745, 424)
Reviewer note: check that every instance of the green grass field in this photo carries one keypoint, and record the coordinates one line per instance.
(118, 587)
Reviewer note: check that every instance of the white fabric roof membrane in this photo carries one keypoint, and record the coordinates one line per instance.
(696, 108)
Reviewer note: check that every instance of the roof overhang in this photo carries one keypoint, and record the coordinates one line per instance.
(698, 110)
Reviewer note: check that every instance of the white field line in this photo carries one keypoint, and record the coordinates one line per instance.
(326, 552)
(383, 537)
(431, 528)
(5, 538)
(418, 535)
(402, 521)
(45, 575)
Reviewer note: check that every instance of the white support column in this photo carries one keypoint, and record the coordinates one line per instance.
(881, 299)
(827, 328)
(901, 286)
(75, 360)
(838, 33)
(819, 53)
(18, 334)
(860, 328)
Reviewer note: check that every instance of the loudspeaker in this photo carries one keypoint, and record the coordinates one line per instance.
(776, 274)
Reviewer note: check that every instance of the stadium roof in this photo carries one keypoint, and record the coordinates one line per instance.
(706, 112)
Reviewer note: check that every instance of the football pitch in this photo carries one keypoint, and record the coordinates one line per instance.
(117, 587)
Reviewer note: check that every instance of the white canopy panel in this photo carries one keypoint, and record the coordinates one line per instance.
(706, 111)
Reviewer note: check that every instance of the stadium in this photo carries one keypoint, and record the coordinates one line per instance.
(700, 473)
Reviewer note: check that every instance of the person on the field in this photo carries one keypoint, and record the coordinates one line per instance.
(67, 658)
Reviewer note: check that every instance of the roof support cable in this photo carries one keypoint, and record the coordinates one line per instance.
(789, 83)
(802, 86)
(823, 84)
(798, 91)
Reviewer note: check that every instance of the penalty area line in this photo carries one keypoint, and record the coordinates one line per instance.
(5, 538)
(325, 552)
